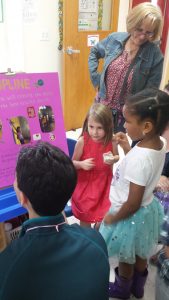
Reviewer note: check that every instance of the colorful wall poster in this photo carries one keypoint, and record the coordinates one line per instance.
(30, 111)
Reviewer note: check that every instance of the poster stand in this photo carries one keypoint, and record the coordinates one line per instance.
(30, 102)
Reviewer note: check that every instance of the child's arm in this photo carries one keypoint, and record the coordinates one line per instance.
(132, 204)
(122, 140)
(86, 164)
(13, 127)
(111, 157)
(115, 151)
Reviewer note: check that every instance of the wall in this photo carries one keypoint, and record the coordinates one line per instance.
(165, 77)
(30, 27)
(29, 36)
(3, 47)
(14, 32)
(41, 39)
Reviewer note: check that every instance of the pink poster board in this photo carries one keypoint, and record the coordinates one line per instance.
(30, 110)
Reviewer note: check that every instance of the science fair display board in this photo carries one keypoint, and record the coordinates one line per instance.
(30, 111)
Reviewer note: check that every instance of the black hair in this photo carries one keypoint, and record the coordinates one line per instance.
(46, 175)
(152, 104)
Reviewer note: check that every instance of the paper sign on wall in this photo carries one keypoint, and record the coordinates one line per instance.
(30, 111)
(88, 15)
(88, 6)
(92, 40)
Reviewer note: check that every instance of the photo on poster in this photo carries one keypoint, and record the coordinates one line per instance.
(20, 130)
(31, 112)
(46, 118)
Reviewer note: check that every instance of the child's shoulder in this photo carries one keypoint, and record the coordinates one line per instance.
(81, 138)
(91, 236)
(80, 141)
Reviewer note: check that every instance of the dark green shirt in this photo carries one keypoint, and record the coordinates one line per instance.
(54, 262)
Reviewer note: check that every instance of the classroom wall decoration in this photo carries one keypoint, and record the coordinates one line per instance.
(30, 111)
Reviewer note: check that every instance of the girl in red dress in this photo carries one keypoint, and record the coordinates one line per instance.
(94, 155)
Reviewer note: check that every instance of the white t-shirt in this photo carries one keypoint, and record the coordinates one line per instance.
(141, 166)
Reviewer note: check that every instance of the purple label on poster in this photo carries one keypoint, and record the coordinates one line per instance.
(30, 110)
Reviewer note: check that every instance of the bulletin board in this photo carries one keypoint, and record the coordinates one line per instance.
(30, 111)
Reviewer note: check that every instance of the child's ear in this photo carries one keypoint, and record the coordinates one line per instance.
(148, 126)
(23, 199)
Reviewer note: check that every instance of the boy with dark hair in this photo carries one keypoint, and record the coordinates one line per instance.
(51, 259)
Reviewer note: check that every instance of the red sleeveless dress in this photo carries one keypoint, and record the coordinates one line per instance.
(90, 200)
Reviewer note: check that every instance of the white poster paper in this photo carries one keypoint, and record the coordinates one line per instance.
(88, 6)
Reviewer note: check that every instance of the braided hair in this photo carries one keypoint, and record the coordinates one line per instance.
(152, 104)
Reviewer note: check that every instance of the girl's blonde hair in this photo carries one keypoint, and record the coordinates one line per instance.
(103, 115)
(149, 12)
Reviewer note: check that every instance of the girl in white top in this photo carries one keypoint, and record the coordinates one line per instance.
(131, 227)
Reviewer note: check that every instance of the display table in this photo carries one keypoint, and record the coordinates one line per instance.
(9, 205)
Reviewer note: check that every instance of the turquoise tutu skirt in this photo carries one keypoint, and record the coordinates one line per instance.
(136, 235)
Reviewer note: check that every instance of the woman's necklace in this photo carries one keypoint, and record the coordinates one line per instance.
(130, 50)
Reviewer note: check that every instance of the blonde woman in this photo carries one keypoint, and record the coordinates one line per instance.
(132, 60)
